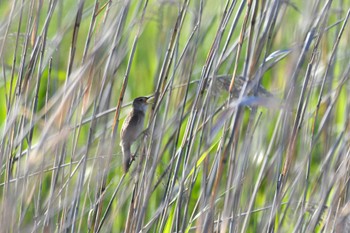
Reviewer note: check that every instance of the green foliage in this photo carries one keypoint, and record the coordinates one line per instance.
(276, 158)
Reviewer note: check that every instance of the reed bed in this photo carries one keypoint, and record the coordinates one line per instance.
(249, 129)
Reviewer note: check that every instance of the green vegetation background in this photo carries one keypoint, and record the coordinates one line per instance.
(32, 195)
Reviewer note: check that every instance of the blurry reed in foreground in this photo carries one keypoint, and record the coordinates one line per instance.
(248, 130)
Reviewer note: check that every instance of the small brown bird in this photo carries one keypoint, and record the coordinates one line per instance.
(132, 128)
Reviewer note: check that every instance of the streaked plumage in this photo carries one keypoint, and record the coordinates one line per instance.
(132, 128)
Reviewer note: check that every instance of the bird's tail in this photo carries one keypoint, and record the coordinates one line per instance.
(126, 157)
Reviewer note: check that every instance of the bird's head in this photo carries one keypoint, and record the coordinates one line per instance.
(140, 103)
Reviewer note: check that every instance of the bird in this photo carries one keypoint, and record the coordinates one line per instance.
(132, 128)
(223, 82)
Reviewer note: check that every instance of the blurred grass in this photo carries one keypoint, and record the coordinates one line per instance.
(209, 162)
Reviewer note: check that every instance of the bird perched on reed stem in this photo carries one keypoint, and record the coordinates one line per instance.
(132, 128)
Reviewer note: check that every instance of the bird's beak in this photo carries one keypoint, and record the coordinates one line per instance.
(150, 99)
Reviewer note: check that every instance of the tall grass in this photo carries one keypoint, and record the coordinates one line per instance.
(248, 130)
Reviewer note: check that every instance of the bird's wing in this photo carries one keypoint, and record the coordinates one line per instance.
(132, 120)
